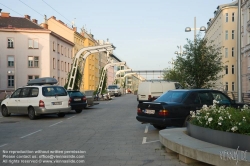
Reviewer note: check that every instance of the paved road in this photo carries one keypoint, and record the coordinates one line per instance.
(107, 135)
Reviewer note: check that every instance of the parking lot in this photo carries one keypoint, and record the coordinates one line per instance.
(106, 134)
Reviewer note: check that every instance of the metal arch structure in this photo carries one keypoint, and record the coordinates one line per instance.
(119, 71)
(78, 58)
(104, 72)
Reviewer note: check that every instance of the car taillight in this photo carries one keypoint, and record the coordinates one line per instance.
(41, 103)
(163, 112)
(139, 110)
(84, 99)
(69, 101)
(149, 97)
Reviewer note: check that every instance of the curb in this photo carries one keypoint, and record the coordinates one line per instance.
(191, 150)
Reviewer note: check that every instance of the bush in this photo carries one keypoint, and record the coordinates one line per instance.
(223, 118)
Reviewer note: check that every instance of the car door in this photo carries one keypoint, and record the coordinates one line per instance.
(23, 101)
(221, 98)
(12, 104)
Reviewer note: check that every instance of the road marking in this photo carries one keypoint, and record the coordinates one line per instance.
(146, 129)
(71, 117)
(30, 134)
(55, 124)
(144, 141)
(3, 145)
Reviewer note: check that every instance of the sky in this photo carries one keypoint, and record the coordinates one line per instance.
(146, 33)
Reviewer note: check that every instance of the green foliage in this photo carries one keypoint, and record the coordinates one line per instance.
(225, 119)
(104, 89)
(199, 67)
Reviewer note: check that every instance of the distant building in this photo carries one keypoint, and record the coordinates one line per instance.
(222, 29)
(30, 51)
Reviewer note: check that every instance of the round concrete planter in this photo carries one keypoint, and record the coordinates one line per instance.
(222, 138)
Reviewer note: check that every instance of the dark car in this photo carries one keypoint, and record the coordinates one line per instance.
(78, 100)
(173, 107)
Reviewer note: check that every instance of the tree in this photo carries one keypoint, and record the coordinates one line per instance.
(200, 67)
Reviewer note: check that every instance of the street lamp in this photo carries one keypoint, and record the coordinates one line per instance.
(239, 87)
(181, 52)
(188, 29)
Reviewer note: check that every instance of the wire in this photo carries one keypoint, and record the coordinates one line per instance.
(11, 9)
(56, 11)
(31, 8)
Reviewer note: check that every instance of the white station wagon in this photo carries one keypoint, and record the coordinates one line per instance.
(40, 96)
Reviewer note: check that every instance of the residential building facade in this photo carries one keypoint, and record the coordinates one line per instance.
(31, 51)
(222, 29)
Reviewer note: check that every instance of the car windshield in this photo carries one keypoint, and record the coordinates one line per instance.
(75, 93)
(112, 87)
(54, 91)
(172, 96)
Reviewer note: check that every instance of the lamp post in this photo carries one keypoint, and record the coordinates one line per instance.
(239, 53)
(188, 29)
(181, 52)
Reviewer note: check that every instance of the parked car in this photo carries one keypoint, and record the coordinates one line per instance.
(78, 100)
(173, 107)
(39, 97)
(151, 90)
(115, 90)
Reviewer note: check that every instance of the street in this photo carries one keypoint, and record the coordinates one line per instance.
(106, 134)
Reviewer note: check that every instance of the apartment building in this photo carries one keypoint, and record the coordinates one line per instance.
(222, 29)
(245, 45)
(30, 51)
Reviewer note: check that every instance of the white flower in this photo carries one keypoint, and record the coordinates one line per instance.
(219, 123)
(235, 128)
(210, 120)
(191, 112)
(220, 118)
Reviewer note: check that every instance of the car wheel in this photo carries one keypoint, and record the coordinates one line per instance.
(78, 111)
(61, 114)
(5, 111)
(186, 120)
(159, 127)
(31, 113)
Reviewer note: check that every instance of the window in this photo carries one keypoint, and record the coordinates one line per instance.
(221, 98)
(11, 81)
(232, 17)
(62, 81)
(10, 43)
(30, 77)
(11, 61)
(58, 48)
(232, 34)
(24, 92)
(226, 52)
(16, 93)
(58, 64)
(68, 67)
(33, 43)
(58, 80)
(232, 69)
(232, 51)
(226, 87)
(62, 50)
(54, 47)
(232, 86)
(65, 67)
(33, 61)
(226, 69)
(54, 63)
(65, 51)
(226, 17)
(62, 65)
(34, 92)
(226, 35)
(68, 53)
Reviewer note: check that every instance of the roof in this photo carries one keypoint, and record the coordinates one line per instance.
(18, 22)
(193, 90)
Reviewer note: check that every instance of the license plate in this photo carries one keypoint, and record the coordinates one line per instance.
(150, 111)
(56, 103)
(77, 99)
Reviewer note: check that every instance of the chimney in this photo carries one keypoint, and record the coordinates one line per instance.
(27, 17)
(3, 14)
(75, 29)
(44, 25)
(53, 17)
(34, 21)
